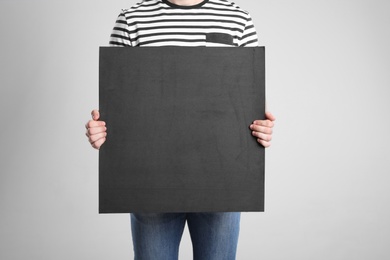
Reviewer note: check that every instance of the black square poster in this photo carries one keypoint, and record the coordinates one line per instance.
(178, 137)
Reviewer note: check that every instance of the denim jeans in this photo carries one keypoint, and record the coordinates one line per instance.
(214, 236)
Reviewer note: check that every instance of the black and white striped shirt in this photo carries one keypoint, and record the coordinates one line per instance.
(162, 23)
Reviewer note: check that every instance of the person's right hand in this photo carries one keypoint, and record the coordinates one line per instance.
(96, 130)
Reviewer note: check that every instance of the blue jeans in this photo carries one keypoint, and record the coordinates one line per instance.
(214, 236)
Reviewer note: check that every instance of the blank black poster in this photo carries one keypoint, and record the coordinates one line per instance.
(178, 129)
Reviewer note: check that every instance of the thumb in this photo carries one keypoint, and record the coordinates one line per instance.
(270, 116)
(95, 114)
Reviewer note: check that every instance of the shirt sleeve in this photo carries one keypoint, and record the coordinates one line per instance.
(249, 36)
(120, 35)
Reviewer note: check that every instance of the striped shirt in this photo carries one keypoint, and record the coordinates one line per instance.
(162, 23)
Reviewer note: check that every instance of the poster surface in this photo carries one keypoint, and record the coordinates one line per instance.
(178, 137)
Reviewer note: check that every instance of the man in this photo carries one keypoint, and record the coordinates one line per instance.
(184, 23)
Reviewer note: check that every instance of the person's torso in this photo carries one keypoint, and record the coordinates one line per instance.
(211, 23)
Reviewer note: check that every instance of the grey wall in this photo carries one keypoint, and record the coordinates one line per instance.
(327, 193)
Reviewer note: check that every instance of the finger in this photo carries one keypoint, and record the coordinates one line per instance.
(95, 114)
(95, 137)
(98, 143)
(262, 129)
(96, 130)
(262, 136)
(264, 143)
(266, 123)
(92, 124)
(270, 116)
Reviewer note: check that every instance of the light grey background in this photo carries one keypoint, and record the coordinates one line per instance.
(327, 194)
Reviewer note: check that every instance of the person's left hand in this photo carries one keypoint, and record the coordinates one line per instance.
(262, 129)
